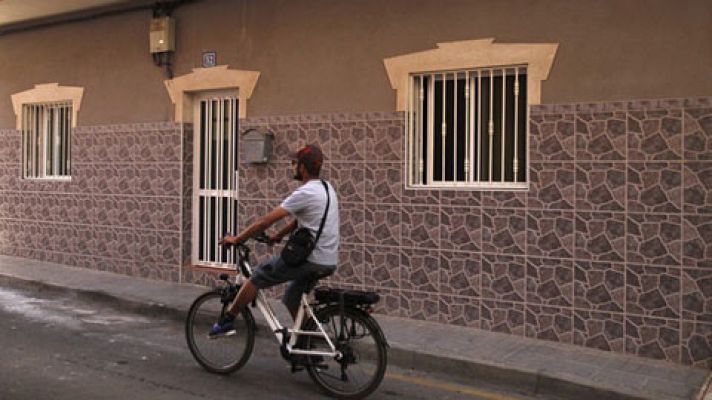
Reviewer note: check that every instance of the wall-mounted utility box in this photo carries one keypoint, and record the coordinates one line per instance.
(162, 35)
(256, 146)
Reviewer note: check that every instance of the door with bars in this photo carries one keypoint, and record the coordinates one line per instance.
(214, 177)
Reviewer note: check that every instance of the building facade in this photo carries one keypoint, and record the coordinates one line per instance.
(605, 241)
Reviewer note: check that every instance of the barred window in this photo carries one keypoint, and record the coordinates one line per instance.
(468, 129)
(46, 140)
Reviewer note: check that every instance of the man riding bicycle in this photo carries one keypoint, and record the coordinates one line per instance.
(307, 204)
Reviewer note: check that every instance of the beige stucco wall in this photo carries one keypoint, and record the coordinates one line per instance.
(327, 55)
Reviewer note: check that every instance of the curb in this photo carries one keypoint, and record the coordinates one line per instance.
(528, 381)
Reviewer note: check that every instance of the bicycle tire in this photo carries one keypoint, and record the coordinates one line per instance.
(216, 354)
(324, 378)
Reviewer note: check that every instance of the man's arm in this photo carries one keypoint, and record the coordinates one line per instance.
(284, 232)
(260, 225)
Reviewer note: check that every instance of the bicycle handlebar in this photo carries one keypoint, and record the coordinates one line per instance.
(260, 237)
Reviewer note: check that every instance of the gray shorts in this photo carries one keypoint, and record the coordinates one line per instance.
(275, 271)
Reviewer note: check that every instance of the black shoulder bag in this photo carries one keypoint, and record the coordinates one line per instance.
(301, 243)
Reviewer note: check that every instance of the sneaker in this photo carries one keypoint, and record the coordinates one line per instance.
(225, 327)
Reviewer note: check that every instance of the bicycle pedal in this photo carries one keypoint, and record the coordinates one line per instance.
(297, 368)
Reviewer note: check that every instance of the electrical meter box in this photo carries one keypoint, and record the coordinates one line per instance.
(162, 35)
(256, 146)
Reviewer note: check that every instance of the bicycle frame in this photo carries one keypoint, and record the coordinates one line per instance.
(305, 310)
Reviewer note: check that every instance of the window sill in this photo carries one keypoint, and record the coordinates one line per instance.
(49, 179)
(214, 268)
(483, 186)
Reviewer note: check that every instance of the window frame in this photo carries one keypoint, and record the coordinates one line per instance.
(413, 118)
(469, 54)
(46, 130)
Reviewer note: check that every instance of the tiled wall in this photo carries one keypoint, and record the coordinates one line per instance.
(120, 212)
(611, 248)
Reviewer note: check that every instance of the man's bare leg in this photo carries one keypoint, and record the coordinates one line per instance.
(247, 293)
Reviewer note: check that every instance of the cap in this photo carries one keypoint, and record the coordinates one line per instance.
(310, 156)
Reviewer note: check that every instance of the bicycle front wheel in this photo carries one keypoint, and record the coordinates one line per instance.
(362, 365)
(223, 354)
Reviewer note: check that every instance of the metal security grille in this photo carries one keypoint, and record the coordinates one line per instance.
(46, 140)
(215, 201)
(467, 129)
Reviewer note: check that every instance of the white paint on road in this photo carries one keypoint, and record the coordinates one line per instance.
(59, 313)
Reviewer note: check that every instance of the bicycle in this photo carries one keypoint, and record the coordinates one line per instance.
(334, 338)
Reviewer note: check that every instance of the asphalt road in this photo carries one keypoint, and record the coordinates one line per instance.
(59, 347)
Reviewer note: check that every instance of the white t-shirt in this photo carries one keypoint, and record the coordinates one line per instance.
(307, 205)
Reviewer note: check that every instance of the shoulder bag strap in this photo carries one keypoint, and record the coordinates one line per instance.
(326, 211)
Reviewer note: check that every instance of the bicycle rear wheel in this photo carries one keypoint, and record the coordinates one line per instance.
(224, 354)
(357, 336)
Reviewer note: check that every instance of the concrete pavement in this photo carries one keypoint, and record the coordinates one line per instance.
(532, 366)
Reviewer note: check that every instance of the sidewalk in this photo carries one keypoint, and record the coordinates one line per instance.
(533, 366)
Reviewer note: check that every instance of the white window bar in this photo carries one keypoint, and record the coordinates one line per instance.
(516, 124)
(444, 127)
(479, 126)
(25, 145)
(491, 122)
(409, 126)
(454, 126)
(219, 175)
(230, 226)
(468, 128)
(206, 182)
(213, 180)
(55, 118)
(421, 97)
(504, 123)
(431, 131)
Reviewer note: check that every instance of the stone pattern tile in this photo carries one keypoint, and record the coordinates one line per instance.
(610, 248)
(463, 311)
(502, 316)
(696, 345)
(697, 295)
(600, 236)
(653, 338)
(503, 231)
(655, 135)
(550, 233)
(697, 188)
(599, 286)
(552, 186)
(654, 239)
(601, 186)
(698, 134)
(549, 323)
(552, 137)
(601, 136)
(653, 291)
(654, 187)
(697, 241)
(460, 274)
(503, 278)
(419, 270)
(599, 330)
(550, 282)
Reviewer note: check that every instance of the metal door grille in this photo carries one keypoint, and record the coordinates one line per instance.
(46, 140)
(215, 200)
(468, 129)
